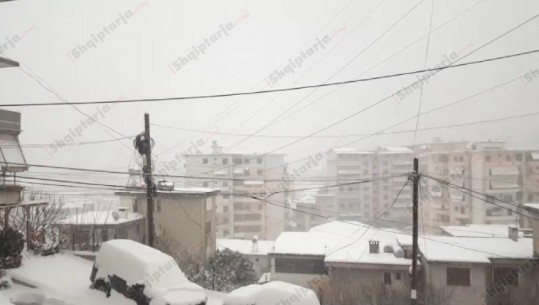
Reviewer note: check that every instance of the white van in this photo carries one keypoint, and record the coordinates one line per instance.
(144, 274)
(272, 293)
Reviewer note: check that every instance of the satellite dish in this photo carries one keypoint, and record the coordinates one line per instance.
(115, 215)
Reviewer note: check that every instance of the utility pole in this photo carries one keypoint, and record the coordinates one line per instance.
(147, 168)
(415, 181)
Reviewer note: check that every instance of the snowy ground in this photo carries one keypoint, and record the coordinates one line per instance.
(66, 277)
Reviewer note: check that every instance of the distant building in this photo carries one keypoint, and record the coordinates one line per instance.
(486, 167)
(371, 199)
(243, 173)
(256, 251)
(12, 160)
(88, 230)
(184, 219)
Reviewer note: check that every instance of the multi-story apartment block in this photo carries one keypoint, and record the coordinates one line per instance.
(239, 174)
(486, 167)
(371, 199)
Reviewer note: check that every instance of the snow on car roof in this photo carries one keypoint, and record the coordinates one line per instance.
(137, 263)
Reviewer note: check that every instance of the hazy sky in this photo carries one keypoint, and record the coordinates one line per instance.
(239, 44)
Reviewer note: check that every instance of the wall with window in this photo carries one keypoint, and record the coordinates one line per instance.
(298, 269)
(390, 276)
(462, 283)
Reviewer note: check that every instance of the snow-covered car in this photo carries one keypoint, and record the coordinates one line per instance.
(144, 274)
(271, 293)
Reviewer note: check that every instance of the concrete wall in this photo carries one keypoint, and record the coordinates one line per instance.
(302, 279)
(436, 276)
(261, 263)
(371, 276)
(133, 230)
(183, 221)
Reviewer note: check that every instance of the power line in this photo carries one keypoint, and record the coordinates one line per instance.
(393, 25)
(373, 220)
(472, 192)
(359, 134)
(387, 58)
(436, 70)
(379, 229)
(222, 95)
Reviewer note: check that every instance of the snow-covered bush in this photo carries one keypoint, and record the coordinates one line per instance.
(226, 270)
(11, 246)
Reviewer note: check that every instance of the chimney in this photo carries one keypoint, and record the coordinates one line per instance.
(122, 211)
(254, 246)
(374, 246)
(513, 232)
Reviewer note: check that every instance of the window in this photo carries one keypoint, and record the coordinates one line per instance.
(246, 160)
(247, 229)
(458, 276)
(518, 157)
(246, 172)
(398, 276)
(509, 212)
(303, 266)
(387, 278)
(225, 183)
(205, 161)
(461, 159)
(508, 158)
(259, 160)
(208, 227)
(487, 158)
(225, 161)
(158, 206)
(104, 235)
(506, 276)
(226, 196)
(259, 172)
(135, 207)
(237, 160)
(455, 158)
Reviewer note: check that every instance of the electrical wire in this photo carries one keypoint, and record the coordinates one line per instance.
(222, 95)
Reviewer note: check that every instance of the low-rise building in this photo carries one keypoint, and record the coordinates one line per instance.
(475, 270)
(88, 230)
(532, 221)
(256, 251)
(184, 219)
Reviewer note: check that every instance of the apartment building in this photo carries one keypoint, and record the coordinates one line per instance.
(236, 174)
(372, 199)
(487, 167)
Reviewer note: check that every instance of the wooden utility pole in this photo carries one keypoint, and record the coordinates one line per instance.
(415, 181)
(147, 168)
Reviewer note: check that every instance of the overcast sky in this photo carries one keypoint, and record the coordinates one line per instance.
(239, 44)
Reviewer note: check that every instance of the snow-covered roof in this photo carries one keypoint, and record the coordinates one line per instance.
(478, 231)
(532, 206)
(341, 242)
(394, 149)
(245, 246)
(358, 251)
(470, 249)
(99, 218)
(350, 150)
(305, 243)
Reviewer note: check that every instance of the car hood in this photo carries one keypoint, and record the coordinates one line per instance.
(183, 294)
